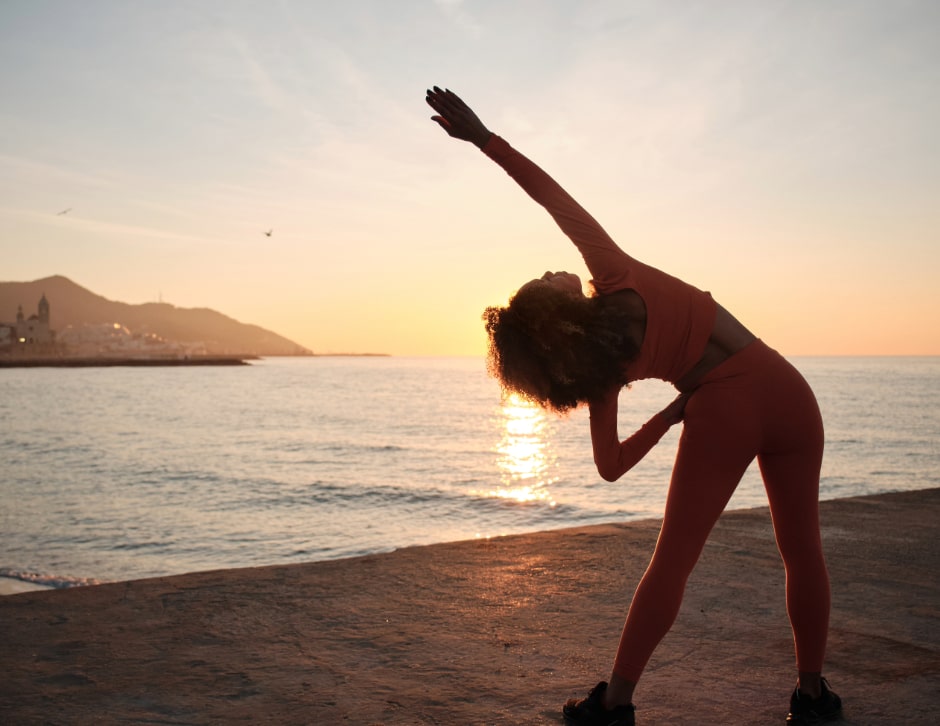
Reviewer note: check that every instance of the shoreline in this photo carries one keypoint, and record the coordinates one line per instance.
(14, 585)
(131, 361)
(96, 362)
(41, 580)
(499, 631)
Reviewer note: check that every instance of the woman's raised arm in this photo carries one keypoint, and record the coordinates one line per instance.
(608, 264)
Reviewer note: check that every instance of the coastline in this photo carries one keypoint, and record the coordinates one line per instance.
(195, 360)
(496, 631)
(97, 362)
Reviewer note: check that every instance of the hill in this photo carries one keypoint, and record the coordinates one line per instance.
(72, 304)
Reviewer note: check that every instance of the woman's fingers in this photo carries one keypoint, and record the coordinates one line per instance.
(446, 101)
(456, 117)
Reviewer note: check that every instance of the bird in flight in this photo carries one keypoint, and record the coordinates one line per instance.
(268, 233)
(64, 211)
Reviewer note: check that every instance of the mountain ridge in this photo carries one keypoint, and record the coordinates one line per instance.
(71, 304)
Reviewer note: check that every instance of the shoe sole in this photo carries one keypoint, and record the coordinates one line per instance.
(810, 721)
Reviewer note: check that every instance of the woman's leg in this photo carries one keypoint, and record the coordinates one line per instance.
(759, 403)
(790, 466)
(717, 444)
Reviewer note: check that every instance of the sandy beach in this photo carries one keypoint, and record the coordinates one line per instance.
(496, 632)
(12, 586)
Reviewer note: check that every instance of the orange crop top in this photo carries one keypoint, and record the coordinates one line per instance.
(679, 317)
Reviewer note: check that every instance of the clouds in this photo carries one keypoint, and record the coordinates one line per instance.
(689, 129)
(457, 13)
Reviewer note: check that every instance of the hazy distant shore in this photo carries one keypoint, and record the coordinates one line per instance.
(207, 360)
(349, 355)
(198, 360)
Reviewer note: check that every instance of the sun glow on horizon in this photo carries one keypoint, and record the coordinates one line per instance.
(305, 186)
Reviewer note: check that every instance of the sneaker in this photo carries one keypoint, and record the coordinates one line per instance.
(806, 710)
(590, 711)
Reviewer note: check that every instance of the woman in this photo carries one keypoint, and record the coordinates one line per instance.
(738, 400)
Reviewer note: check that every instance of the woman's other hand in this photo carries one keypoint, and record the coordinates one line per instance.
(675, 411)
(456, 117)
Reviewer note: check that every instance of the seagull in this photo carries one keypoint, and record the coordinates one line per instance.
(64, 211)
(268, 233)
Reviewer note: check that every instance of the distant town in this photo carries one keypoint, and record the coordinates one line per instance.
(32, 340)
(32, 337)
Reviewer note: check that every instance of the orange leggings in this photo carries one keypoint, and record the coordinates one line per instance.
(753, 404)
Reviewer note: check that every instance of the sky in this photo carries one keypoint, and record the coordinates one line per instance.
(783, 155)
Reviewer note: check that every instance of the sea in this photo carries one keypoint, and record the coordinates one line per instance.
(118, 473)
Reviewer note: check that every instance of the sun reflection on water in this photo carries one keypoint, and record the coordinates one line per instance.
(524, 454)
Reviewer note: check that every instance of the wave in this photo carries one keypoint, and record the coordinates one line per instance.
(272, 494)
(56, 582)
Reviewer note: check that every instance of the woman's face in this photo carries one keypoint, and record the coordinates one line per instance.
(567, 281)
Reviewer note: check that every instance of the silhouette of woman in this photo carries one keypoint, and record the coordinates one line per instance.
(738, 400)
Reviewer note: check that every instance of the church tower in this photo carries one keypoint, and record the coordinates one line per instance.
(44, 310)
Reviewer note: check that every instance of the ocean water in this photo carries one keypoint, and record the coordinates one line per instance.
(122, 473)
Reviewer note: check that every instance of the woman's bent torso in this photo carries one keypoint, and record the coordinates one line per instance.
(728, 336)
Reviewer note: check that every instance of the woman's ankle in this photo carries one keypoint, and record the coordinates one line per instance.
(619, 692)
(810, 684)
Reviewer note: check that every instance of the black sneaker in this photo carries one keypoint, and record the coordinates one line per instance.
(590, 711)
(806, 710)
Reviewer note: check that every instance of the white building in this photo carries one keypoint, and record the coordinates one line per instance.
(31, 335)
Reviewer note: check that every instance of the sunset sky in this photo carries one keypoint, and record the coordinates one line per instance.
(783, 155)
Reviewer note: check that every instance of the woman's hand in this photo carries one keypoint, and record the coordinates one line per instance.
(675, 411)
(456, 117)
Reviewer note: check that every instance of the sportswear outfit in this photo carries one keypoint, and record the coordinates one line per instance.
(753, 404)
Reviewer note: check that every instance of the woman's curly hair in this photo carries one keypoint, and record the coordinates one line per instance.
(558, 349)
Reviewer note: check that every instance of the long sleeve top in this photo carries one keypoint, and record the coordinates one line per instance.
(679, 317)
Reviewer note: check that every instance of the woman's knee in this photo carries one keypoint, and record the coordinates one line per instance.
(800, 548)
(676, 555)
